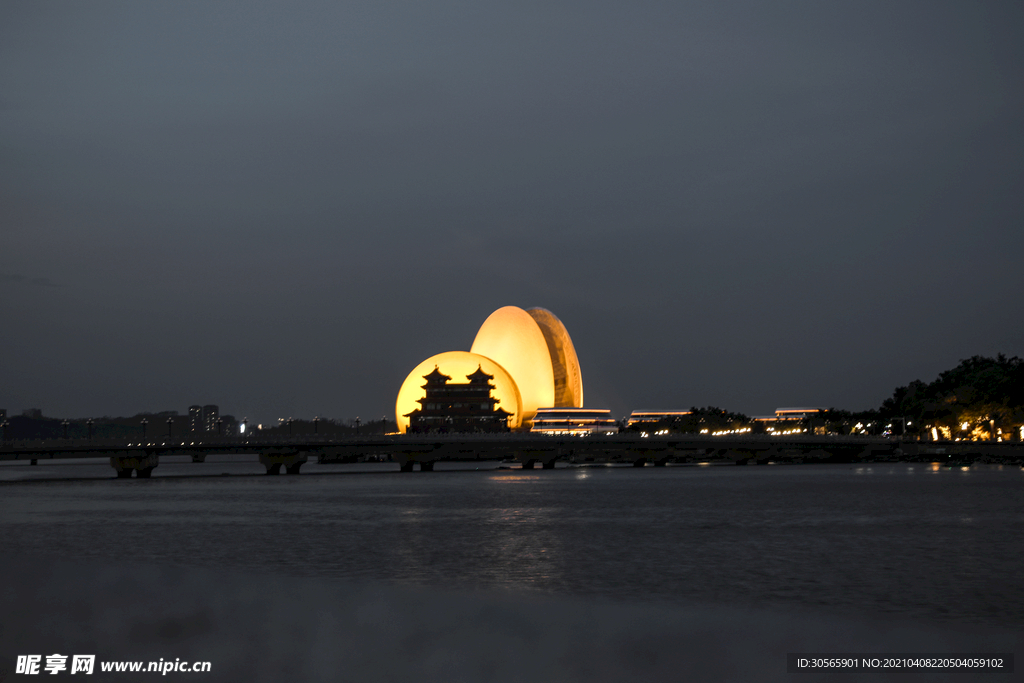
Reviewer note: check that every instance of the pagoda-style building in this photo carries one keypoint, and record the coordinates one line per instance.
(449, 407)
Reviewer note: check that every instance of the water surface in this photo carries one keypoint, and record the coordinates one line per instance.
(885, 539)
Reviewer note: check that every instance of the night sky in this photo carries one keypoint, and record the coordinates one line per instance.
(282, 208)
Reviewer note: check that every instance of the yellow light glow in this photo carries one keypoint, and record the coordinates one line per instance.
(457, 365)
(533, 350)
(512, 338)
(565, 366)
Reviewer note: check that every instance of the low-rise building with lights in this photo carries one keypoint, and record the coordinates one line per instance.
(652, 416)
(573, 422)
(790, 421)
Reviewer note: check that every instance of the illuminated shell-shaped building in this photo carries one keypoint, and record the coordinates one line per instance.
(528, 353)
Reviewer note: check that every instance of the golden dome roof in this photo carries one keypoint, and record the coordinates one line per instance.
(458, 365)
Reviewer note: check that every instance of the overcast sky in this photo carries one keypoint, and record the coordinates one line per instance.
(283, 208)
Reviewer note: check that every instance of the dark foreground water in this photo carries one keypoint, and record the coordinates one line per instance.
(936, 547)
(909, 540)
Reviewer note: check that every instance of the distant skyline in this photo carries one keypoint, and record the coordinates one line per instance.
(283, 208)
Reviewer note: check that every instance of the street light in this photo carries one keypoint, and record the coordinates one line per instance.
(220, 423)
(170, 422)
(144, 423)
(89, 423)
(357, 424)
(65, 425)
(383, 425)
(316, 421)
(3, 427)
(289, 421)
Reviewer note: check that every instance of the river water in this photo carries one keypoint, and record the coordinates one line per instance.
(914, 541)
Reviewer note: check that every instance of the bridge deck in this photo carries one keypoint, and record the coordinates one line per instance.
(491, 446)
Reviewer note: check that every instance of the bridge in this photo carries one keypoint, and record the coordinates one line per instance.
(530, 450)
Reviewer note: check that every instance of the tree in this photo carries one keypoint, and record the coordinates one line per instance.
(977, 399)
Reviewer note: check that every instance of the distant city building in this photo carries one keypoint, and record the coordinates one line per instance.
(643, 416)
(573, 422)
(210, 415)
(458, 407)
(229, 425)
(195, 419)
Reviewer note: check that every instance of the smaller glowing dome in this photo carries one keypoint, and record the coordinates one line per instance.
(458, 365)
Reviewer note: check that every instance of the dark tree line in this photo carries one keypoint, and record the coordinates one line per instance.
(34, 425)
(981, 398)
(331, 427)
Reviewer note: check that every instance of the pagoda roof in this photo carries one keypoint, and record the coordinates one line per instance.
(436, 376)
(479, 375)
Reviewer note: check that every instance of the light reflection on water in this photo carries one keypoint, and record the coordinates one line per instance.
(846, 538)
(513, 478)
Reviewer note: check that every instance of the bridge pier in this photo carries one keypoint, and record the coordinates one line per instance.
(530, 458)
(291, 460)
(639, 462)
(142, 464)
(661, 458)
(425, 455)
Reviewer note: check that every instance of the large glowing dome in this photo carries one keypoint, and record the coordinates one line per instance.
(458, 365)
(513, 338)
(530, 355)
